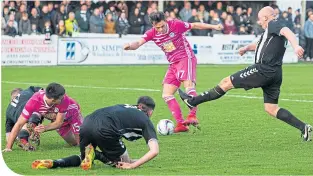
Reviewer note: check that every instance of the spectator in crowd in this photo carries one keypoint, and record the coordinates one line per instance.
(10, 29)
(112, 11)
(194, 14)
(122, 25)
(95, 22)
(223, 17)
(250, 20)
(3, 25)
(18, 14)
(60, 30)
(37, 7)
(290, 13)
(297, 19)
(219, 8)
(196, 4)
(24, 25)
(6, 13)
(185, 13)
(147, 23)
(211, 14)
(154, 7)
(173, 16)
(12, 6)
(47, 30)
(242, 30)
(121, 5)
(238, 18)
(277, 13)
(60, 15)
(229, 25)
(204, 13)
(82, 17)
(101, 12)
(286, 20)
(34, 30)
(198, 19)
(71, 25)
(68, 7)
(171, 6)
(52, 14)
(15, 25)
(141, 9)
(308, 33)
(34, 18)
(136, 21)
(215, 21)
(45, 16)
(109, 27)
(230, 10)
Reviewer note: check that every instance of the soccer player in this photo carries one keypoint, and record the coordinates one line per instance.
(266, 73)
(105, 128)
(19, 98)
(51, 100)
(170, 37)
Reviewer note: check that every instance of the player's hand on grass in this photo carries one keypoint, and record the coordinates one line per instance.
(242, 50)
(219, 27)
(40, 128)
(127, 46)
(123, 165)
(6, 150)
(299, 51)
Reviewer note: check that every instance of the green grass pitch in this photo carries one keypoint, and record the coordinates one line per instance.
(237, 136)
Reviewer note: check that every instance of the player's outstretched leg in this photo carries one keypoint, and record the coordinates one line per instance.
(212, 94)
(285, 116)
(71, 161)
(192, 116)
(89, 157)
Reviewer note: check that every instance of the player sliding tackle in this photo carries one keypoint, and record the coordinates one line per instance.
(170, 37)
(266, 73)
(105, 129)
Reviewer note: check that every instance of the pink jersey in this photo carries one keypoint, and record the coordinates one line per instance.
(37, 104)
(174, 42)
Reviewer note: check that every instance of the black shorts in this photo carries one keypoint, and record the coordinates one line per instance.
(101, 135)
(259, 75)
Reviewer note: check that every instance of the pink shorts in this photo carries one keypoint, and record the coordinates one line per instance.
(73, 121)
(181, 71)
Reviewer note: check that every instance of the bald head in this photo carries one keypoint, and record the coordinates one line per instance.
(266, 14)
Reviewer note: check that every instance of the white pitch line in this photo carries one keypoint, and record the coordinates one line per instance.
(86, 87)
(149, 90)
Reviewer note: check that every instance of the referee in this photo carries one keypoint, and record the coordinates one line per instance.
(266, 73)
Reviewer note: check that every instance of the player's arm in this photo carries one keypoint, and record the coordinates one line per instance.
(250, 47)
(206, 26)
(152, 153)
(52, 126)
(134, 45)
(16, 129)
(291, 37)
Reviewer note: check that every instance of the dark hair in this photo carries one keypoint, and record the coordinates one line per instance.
(156, 17)
(146, 100)
(15, 90)
(55, 91)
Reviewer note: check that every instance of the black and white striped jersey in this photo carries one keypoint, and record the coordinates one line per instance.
(272, 46)
(125, 121)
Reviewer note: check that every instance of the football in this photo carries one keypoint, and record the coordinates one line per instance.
(165, 127)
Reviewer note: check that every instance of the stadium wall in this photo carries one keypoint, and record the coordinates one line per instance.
(102, 49)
